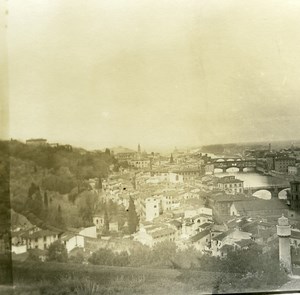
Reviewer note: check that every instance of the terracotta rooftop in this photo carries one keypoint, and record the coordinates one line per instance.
(259, 205)
(200, 235)
(162, 232)
(39, 234)
(223, 235)
(204, 225)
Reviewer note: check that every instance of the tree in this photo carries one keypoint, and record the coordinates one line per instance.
(164, 253)
(73, 195)
(37, 204)
(57, 252)
(59, 220)
(77, 258)
(251, 267)
(46, 203)
(133, 219)
(33, 256)
(99, 184)
(108, 257)
(32, 189)
(106, 220)
(171, 159)
(134, 182)
(88, 203)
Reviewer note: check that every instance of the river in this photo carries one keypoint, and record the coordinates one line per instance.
(254, 179)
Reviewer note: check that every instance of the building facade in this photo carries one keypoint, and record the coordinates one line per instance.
(231, 185)
(150, 208)
(294, 197)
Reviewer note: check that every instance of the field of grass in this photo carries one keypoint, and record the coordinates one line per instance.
(56, 278)
(66, 279)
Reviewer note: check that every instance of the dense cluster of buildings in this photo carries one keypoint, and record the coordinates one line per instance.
(177, 201)
(37, 240)
(212, 214)
(285, 161)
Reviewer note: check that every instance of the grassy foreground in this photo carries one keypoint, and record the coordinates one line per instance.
(65, 279)
(56, 278)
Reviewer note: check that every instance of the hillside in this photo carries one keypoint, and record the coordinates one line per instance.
(45, 181)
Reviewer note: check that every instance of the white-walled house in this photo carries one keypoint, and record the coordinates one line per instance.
(18, 249)
(140, 163)
(151, 235)
(169, 202)
(89, 232)
(201, 241)
(39, 238)
(189, 213)
(192, 226)
(149, 208)
(170, 177)
(72, 241)
(231, 185)
(230, 237)
(175, 178)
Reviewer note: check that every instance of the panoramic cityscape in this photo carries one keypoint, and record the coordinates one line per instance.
(229, 209)
(149, 147)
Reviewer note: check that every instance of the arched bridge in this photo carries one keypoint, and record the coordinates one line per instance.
(273, 189)
(236, 163)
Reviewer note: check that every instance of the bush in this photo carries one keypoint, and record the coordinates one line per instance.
(108, 257)
(57, 252)
(247, 269)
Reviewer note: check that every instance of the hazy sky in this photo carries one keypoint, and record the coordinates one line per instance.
(99, 73)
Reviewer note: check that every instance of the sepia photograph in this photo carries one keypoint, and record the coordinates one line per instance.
(149, 147)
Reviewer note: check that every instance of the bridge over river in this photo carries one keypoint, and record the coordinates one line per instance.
(225, 163)
(273, 189)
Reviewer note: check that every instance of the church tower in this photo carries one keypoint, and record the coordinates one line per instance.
(139, 148)
(284, 233)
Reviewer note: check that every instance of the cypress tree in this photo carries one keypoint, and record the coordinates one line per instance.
(46, 203)
(171, 159)
(133, 219)
(37, 204)
(99, 183)
(59, 217)
(32, 189)
(106, 220)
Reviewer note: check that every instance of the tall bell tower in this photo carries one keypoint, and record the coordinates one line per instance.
(284, 233)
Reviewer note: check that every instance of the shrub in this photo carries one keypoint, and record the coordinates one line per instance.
(57, 252)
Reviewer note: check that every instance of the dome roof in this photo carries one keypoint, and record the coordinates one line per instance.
(283, 220)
